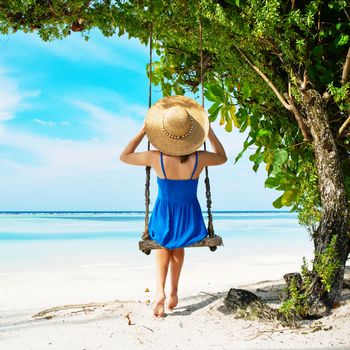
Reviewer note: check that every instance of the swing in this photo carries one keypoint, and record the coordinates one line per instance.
(212, 240)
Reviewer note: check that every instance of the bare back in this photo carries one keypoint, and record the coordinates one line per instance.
(176, 170)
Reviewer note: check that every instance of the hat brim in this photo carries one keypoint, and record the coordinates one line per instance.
(176, 147)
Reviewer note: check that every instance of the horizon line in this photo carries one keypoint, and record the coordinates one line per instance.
(130, 211)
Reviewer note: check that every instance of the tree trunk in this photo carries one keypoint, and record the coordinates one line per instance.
(335, 219)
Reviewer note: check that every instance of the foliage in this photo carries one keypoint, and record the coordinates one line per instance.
(296, 305)
(299, 302)
(340, 95)
(286, 40)
(327, 263)
(307, 201)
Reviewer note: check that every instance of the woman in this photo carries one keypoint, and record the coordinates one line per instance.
(176, 126)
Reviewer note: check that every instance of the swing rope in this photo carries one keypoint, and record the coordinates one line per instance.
(206, 181)
(145, 235)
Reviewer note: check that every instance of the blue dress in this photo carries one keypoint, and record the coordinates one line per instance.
(177, 219)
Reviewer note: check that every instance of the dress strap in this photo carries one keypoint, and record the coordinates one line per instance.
(195, 165)
(161, 162)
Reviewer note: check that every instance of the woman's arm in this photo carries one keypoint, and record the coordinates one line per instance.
(219, 155)
(139, 158)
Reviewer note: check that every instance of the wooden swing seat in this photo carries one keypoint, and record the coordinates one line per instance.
(212, 242)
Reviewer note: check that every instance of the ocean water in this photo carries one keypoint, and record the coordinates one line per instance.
(26, 226)
(53, 239)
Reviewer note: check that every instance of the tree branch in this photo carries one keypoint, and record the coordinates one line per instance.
(267, 80)
(302, 126)
(346, 69)
(305, 80)
(342, 129)
(344, 79)
(206, 64)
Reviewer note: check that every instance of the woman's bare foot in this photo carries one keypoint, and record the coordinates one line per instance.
(173, 300)
(158, 309)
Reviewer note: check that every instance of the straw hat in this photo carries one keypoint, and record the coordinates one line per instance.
(177, 125)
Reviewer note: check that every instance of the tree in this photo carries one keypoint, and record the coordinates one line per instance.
(280, 68)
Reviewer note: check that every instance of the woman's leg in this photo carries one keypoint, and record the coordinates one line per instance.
(162, 264)
(176, 262)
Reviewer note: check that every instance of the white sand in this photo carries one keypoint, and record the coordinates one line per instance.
(199, 321)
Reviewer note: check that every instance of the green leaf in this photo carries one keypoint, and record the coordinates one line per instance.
(222, 120)
(232, 111)
(257, 158)
(214, 107)
(280, 156)
(288, 197)
(167, 89)
(246, 90)
(342, 39)
(214, 114)
(327, 77)
(317, 51)
(272, 182)
(218, 92)
(209, 95)
(246, 144)
(228, 126)
(243, 116)
(263, 134)
(278, 203)
(179, 90)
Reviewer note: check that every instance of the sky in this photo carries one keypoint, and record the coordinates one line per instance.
(67, 110)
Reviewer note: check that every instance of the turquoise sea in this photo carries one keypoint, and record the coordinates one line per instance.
(44, 239)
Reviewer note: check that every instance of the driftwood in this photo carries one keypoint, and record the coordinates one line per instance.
(50, 313)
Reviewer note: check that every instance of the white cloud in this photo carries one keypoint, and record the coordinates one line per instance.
(57, 157)
(111, 125)
(12, 99)
(44, 122)
(49, 122)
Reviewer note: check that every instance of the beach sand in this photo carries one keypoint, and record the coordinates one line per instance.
(123, 318)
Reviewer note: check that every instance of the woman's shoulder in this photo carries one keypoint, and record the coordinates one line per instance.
(154, 156)
(208, 158)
